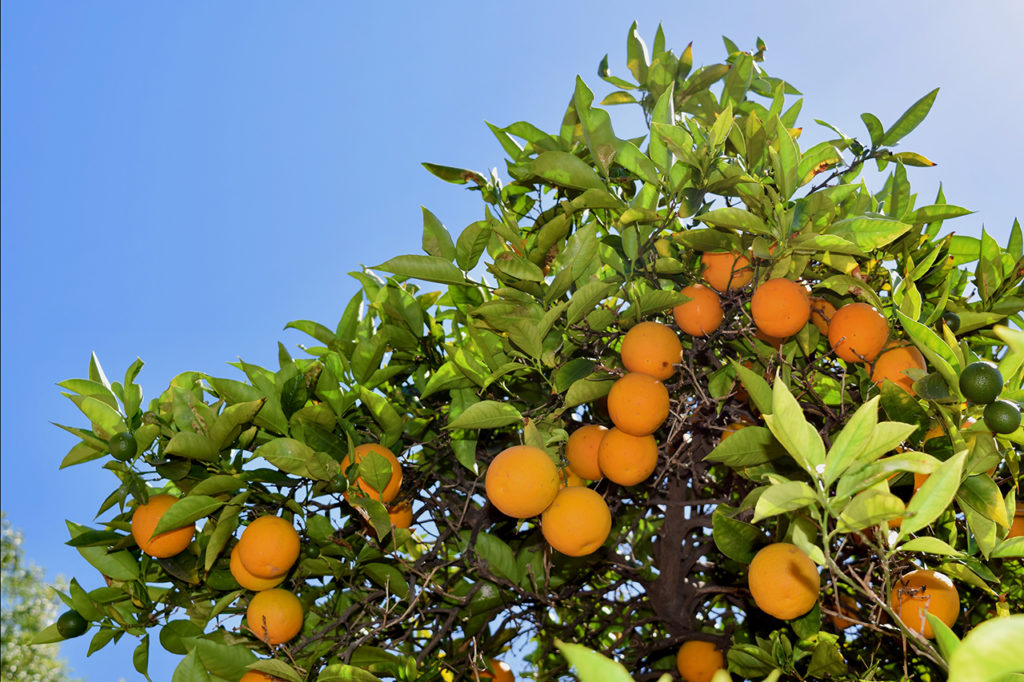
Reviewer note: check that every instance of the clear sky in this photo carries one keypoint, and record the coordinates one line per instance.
(179, 180)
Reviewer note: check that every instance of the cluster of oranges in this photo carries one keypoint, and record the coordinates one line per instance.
(780, 307)
(260, 561)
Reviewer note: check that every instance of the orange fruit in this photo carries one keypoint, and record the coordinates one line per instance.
(726, 271)
(652, 348)
(780, 307)
(627, 459)
(274, 616)
(920, 592)
(502, 673)
(521, 481)
(401, 514)
(847, 612)
(581, 450)
(257, 676)
(567, 477)
(821, 312)
(247, 579)
(578, 521)
(892, 363)
(698, 661)
(394, 483)
(858, 332)
(702, 314)
(783, 581)
(144, 522)
(638, 404)
(268, 547)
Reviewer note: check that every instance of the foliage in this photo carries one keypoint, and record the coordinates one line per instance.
(515, 340)
(28, 606)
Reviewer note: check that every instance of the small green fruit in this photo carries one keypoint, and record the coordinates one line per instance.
(71, 624)
(123, 446)
(981, 382)
(1002, 416)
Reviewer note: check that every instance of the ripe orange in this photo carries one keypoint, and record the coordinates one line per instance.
(847, 612)
(627, 459)
(697, 660)
(401, 514)
(394, 483)
(521, 481)
(274, 616)
(920, 592)
(821, 312)
(784, 581)
(247, 579)
(638, 404)
(268, 547)
(702, 314)
(577, 523)
(581, 450)
(144, 522)
(502, 673)
(726, 271)
(652, 348)
(858, 332)
(892, 363)
(780, 307)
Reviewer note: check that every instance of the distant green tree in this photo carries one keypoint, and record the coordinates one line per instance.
(28, 606)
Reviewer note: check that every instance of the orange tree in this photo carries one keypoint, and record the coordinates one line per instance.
(715, 236)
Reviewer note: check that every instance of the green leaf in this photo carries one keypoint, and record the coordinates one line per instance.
(295, 457)
(637, 58)
(592, 666)
(192, 446)
(929, 214)
(427, 268)
(388, 577)
(786, 161)
(457, 176)
(586, 298)
(851, 441)
(934, 349)
(790, 427)
(498, 555)
(929, 545)
(1010, 548)
(780, 498)
(340, 672)
(910, 119)
(735, 218)
(758, 389)
(734, 538)
(874, 126)
(186, 510)
(588, 389)
(746, 447)
(565, 170)
(985, 655)
(436, 239)
(384, 414)
(934, 496)
(869, 508)
(486, 414)
(868, 233)
(119, 565)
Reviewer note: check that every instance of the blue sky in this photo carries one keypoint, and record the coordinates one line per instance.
(180, 180)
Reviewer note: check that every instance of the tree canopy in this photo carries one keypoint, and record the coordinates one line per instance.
(813, 438)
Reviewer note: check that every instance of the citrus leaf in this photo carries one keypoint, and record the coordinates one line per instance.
(910, 119)
(193, 446)
(782, 497)
(295, 457)
(486, 414)
(868, 233)
(120, 565)
(929, 545)
(984, 654)
(749, 446)
(427, 268)
(869, 508)
(734, 218)
(340, 672)
(588, 389)
(185, 511)
(1009, 548)
(851, 440)
(790, 427)
(565, 170)
(934, 496)
(592, 666)
(436, 239)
